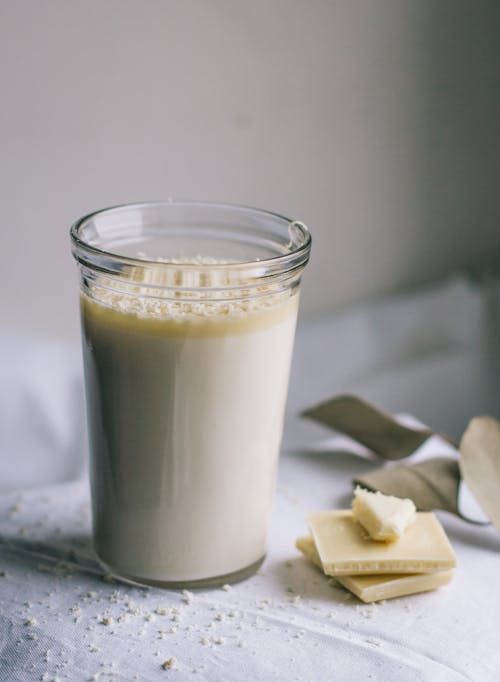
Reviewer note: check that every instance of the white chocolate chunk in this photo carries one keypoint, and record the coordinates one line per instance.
(384, 517)
(344, 548)
(369, 588)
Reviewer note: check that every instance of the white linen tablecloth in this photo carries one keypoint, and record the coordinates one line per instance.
(432, 354)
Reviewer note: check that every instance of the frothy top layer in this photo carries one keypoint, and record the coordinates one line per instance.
(187, 298)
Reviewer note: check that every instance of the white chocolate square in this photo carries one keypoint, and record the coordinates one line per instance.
(369, 588)
(345, 549)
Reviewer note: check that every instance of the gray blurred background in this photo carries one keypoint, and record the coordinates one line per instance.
(376, 122)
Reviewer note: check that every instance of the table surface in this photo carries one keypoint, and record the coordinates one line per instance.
(60, 618)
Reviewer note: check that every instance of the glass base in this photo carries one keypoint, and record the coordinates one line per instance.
(215, 581)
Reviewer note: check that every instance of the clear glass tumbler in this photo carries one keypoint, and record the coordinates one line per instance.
(188, 319)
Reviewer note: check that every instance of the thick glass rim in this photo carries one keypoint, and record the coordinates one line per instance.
(87, 254)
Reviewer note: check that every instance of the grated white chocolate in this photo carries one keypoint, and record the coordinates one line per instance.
(183, 294)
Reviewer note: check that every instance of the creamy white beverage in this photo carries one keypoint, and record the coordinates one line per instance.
(188, 319)
(185, 406)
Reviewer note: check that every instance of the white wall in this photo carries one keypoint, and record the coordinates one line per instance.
(376, 122)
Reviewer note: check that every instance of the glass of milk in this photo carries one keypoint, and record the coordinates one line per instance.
(188, 319)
